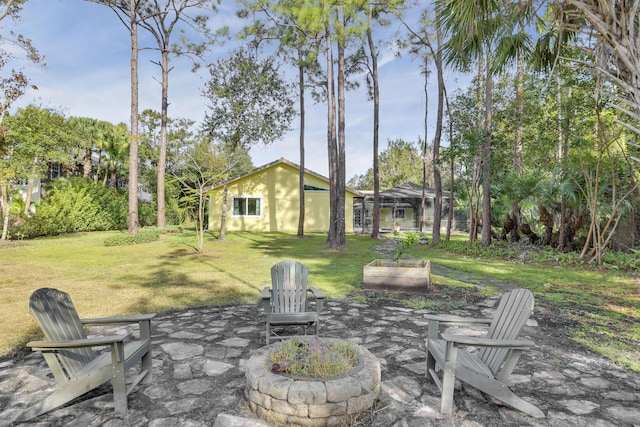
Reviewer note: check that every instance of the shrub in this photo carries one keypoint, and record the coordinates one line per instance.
(77, 204)
(147, 214)
(144, 236)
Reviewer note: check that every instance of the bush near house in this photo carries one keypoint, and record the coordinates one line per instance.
(76, 204)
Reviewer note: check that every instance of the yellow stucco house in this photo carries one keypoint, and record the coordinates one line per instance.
(268, 199)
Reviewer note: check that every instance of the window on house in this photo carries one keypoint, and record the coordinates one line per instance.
(247, 206)
(399, 214)
(357, 217)
(55, 171)
(308, 187)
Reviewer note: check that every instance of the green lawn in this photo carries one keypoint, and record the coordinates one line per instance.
(602, 307)
(160, 276)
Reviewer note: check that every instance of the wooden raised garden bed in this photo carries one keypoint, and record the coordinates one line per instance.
(410, 275)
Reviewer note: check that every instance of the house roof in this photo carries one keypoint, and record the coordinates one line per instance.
(274, 163)
(410, 190)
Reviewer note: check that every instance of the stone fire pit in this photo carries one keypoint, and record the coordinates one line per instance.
(300, 401)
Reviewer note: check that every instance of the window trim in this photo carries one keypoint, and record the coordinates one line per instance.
(395, 213)
(246, 197)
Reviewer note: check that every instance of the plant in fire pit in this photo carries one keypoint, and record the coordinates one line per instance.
(313, 359)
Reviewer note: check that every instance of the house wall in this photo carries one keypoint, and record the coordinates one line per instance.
(388, 222)
(278, 188)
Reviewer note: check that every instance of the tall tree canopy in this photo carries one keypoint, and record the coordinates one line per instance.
(249, 103)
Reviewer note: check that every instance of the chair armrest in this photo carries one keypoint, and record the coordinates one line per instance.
(87, 342)
(319, 296)
(266, 293)
(316, 292)
(119, 319)
(486, 342)
(444, 318)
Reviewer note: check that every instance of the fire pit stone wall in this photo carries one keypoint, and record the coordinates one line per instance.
(310, 402)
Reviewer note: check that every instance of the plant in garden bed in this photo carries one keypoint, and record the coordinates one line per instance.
(314, 358)
(406, 240)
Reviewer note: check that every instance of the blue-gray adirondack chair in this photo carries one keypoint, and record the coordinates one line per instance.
(286, 303)
(76, 368)
(490, 368)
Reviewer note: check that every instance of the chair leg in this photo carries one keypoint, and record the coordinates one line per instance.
(431, 365)
(448, 380)
(268, 333)
(146, 365)
(119, 380)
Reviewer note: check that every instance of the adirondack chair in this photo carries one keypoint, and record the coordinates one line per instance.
(76, 368)
(489, 369)
(286, 302)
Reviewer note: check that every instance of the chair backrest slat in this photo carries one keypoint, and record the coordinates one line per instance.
(55, 313)
(512, 314)
(289, 287)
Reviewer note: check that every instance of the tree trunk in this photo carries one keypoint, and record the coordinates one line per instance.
(437, 177)
(474, 198)
(486, 160)
(451, 191)
(452, 170)
(201, 200)
(133, 146)
(563, 135)
(301, 100)
(341, 238)
(423, 198)
(162, 158)
(331, 142)
(28, 196)
(86, 168)
(516, 210)
(517, 149)
(375, 232)
(96, 177)
(113, 182)
(6, 208)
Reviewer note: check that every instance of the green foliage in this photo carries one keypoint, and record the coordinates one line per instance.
(249, 102)
(526, 253)
(405, 241)
(148, 214)
(74, 205)
(399, 163)
(146, 235)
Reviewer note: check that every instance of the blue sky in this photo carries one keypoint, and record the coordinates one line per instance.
(87, 52)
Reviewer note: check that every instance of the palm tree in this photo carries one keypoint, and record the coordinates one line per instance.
(472, 29)
(491, 34)
(117, 140)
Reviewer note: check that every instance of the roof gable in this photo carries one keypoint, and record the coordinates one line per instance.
(275, 163)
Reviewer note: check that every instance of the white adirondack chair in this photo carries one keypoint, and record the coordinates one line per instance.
(286, 303)
(76, 368)
(490, 368)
